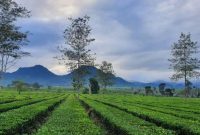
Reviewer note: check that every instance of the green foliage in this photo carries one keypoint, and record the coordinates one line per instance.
(19, 85)
(185, 61)
(121, 120)
(77, 55)
(11, 38)
(36, 86)
(148, 90)
(94, 86)
(85, 91)
(173, 113)
(49, 87)
(70, 118)
(125, 112)
(162, 88)
(169, 92)
(13, 120)
(20, 103)
(105, 74)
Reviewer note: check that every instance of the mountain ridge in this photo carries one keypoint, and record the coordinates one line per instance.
(45, 77)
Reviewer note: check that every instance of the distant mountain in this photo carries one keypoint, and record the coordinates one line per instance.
(45, 77)
(34, 74)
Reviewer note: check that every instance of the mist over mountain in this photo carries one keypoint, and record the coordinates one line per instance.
(45, 77)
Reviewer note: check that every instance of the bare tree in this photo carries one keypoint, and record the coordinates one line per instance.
(11, 38)
(184, 60)
(106, 74)
(76, 56)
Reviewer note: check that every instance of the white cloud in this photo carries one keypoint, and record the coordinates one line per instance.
(48, 10)
(59, 69)
(136, 36)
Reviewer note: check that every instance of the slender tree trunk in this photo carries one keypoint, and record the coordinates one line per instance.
(185, 75)
(185, 85)
(90, 89)
(78, 76)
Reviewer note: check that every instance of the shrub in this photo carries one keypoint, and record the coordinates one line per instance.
(148, 90)
(94, 86)
(85, 91)
(169, 92)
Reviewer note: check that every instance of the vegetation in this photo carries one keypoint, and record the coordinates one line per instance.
(184, 61)
(15, 121)
(94, 86)
(106, 74)
(76, 56)
(148, 90)
(36, 86)
(11, 38)
(70, 118)
(123, 122)
(19, 85)
(61, 113)
(85, 91)
(170, 113)
(162, 88)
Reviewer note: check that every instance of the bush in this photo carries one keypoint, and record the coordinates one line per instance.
(169, 92)
(162, 88)
(94, 86)
(85, 91)
(148, 90)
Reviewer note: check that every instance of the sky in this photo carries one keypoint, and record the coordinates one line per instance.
(134, 35)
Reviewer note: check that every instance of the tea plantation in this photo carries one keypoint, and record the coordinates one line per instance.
(53, 113)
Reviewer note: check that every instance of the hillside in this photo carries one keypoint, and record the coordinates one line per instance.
(45, 77)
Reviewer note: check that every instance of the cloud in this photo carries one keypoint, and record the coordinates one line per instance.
(48, 10)
(136, 36)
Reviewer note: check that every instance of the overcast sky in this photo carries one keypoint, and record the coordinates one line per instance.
(135, 35)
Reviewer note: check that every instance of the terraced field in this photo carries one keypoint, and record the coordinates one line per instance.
(48, 113)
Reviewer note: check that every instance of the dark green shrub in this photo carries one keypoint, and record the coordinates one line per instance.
(162, 88)
(169, 92)
(85, 91)
(94, 86)
(148, 90)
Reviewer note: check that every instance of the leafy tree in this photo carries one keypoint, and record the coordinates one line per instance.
(184, 61)
(106, 74)
(49, 87)
(85, 91)
(198, 93)
(162, 88)
(19, 85)
(148, 90)
(76, 55)
(36, 86)
(94, 86)
(11, 38)
(169, 92)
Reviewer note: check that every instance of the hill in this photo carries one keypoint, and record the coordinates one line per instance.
(45, 77)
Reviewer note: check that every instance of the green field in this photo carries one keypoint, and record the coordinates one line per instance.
(53, 113)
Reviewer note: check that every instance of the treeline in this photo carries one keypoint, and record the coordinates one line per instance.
(22, 86)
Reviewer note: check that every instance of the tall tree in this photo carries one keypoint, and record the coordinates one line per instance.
(94, 86)
(184, 60)
(162, 88)
(11, 38)
(106, 74)
(76, 56)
